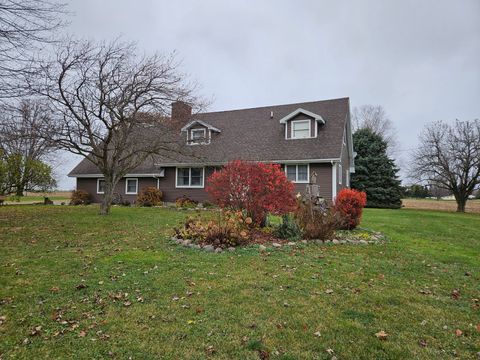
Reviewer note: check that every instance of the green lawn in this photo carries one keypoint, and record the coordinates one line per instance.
(148, 299)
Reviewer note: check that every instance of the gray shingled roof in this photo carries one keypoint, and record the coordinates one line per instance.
(250, 134)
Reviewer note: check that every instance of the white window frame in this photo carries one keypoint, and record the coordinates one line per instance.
(126, 186)
(292, 132)
(190, 177)
(98, 186)
(296, 173)
(340, 174)
(204, 139)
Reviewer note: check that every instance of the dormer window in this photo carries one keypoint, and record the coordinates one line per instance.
(301, 129)
(199, 132)
(301, 124)
(198, 136)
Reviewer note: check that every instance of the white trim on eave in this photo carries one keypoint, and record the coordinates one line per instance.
(193, 122)
(290, 116)
(221, 163)
(160, 174)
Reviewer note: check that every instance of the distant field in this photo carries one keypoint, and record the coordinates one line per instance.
(473, 206)
(31, 197)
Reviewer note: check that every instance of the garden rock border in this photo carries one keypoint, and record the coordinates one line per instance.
(378, 238)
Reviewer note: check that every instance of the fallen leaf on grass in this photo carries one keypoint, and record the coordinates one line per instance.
(191, 322)
(458, 332)
(422, 343)
(263, 354)
(210, 350)
(54, 289)
(317, 334)
(81, 286)
(36, 331)
(82, 333)
(329, 291)
(330, 351)
(3, 318)
(455, 294)
(382, 335)
(127, 303)
(478, 327)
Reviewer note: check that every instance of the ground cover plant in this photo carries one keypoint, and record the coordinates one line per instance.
(76, 285)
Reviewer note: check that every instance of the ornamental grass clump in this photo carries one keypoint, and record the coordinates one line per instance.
(317, 221)
(230, 229)
(80, 197)
(150, 196)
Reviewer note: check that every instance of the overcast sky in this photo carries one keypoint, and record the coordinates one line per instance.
(419, 59)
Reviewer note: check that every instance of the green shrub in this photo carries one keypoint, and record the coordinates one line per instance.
(150, 196)
(288, 229)
(80, 197)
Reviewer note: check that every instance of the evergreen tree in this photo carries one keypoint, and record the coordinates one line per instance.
(375, 173)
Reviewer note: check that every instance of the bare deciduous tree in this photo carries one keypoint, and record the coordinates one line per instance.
(25, 25)
(108, 105)
(375, 119)
(449, 158)
(24, 147)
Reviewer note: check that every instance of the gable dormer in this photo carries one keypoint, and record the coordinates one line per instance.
(199, 132)
(301, 124)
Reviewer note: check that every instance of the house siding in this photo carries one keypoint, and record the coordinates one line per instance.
(171, 193)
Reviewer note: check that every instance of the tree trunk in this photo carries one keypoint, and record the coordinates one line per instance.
(106, 203)
(19, 191)
(461, 201)
(461, 205)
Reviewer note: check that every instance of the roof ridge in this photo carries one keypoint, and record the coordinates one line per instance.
(269, 106)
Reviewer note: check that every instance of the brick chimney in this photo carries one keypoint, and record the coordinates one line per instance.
(181, 112)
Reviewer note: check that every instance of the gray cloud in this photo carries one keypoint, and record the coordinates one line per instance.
(419, 59)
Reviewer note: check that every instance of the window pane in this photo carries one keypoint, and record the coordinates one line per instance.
(197, 134)
(304, 125)
(197, 177)
(101, 186)
(302, 173)
(182, 177)
(131, 186)
(291, 172)
(301, 134)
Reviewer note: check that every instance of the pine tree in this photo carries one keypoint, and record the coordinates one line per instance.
(375, 173)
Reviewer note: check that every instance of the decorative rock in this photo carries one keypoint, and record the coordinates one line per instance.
(363, 242)
(277, 245)
(218, 250)
(173, 238)
(179, 241)
(320, 242)
(231, 249)
(196, 246)
(208, 248)
(305, 241)
(291, 243)
(186, 242)
(335, 241)
(262, 248)
(343, 241)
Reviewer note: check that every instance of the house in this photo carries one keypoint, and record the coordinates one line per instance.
(310, 138)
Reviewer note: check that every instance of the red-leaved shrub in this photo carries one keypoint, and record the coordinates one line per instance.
(255, 188)
(349, 205)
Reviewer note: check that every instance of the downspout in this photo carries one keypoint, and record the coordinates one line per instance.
(334, 180)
